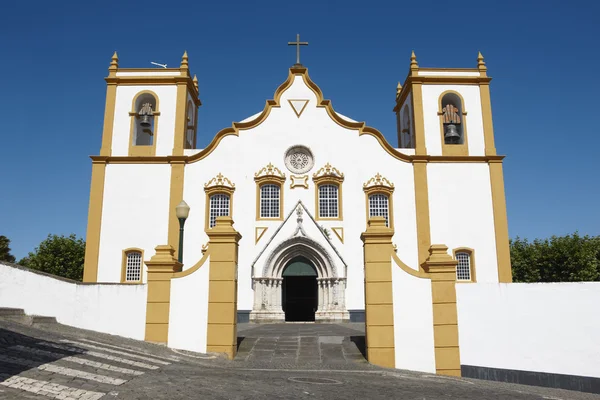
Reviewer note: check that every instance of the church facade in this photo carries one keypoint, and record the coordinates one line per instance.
(300, 181)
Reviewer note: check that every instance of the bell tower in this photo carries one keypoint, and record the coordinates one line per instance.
(150, 111)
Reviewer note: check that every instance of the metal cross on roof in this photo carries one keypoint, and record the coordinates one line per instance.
(298, 43)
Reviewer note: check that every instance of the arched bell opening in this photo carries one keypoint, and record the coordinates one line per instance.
(300, 297)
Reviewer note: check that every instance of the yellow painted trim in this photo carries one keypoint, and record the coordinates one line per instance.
(418, 119)
(486, 116)
(473, 271)
(92, 239)
(422, 210)
(299, 181)
(154, 80)
(411, 271)
(218, 185)
(339, 232)
(500, 222)
(298, 114)
(454, 149)
(257, 235)
(144, 150)
(180, 119)
(269, 175)
(124, 265)
(329, 180)
(175, 197)
(380, 185)
(109, 120)
(195, 267)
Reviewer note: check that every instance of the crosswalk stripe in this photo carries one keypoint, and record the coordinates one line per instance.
(91, 346)
(77, 360)
(49, 389)
(132, 350)
(99, 355)
(62, 370)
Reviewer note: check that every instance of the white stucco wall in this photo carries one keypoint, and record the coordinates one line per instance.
(109, 308)
(413, 321)
(461, 213)
(167, 99)
(135, 213)
(542, 327)
(188, 313)
(329, 142)
(431, 119)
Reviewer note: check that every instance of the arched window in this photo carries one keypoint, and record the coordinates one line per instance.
(379, 191)
(452, 119)
(269, 201)
(408, 138)
(379, 207)
(269, 192)
(145, 107)
(328, 201)
(133, 260)
(219, 207)
(465, 269)
(219, 194)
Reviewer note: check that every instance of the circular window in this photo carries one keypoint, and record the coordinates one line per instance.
(299, 159)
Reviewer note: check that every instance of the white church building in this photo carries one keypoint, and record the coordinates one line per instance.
(300, 182)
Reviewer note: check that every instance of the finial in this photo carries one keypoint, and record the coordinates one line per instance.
(398, 88)
(413, 61)
(480, 62)
(196, 83)
(114, 62)
(184, 60)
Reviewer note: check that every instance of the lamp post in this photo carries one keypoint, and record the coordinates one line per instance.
(181, 211)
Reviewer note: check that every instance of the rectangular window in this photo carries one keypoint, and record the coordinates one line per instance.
(463, 269)
(133, 269)
(379, 207)
(269, 201)
(328, 201)
(219, 207)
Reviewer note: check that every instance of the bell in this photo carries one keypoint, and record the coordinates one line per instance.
(145, 121)
(452, 136)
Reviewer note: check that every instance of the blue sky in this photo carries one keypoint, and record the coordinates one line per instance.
(543, 56)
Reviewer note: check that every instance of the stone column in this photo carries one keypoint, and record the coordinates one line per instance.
(257, 294)
(379, 314)
(160, 271)
(327, 297)
(222, 290)
(263, 294)
(320, 293)
(442, 270)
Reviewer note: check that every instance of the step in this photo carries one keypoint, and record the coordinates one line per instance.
(11, 312)
(40, 319)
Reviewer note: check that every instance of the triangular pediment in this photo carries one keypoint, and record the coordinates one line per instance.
(299, 227)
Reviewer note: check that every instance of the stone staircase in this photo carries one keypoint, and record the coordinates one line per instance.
(18, 315)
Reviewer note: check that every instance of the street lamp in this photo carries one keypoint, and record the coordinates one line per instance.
(181, 211)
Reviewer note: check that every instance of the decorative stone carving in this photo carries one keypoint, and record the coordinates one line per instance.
(299, 159)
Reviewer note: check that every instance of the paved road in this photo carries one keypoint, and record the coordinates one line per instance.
(66, 363)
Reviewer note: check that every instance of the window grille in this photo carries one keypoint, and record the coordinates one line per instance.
(463, 269)
(378, 207)
(328, 201)
(133, 269)
(219, 207)
(269, 201)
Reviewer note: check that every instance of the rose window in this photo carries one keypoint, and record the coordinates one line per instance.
(299, 159)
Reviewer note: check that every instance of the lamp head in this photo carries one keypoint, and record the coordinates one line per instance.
(182, 210)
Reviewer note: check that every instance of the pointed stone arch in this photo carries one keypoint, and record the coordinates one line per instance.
(304, 247)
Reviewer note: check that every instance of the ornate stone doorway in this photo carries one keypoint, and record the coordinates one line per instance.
(299, 291)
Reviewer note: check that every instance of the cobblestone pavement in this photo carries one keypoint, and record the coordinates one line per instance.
(65, 363)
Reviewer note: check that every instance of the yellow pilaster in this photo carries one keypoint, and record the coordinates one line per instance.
(379, 314)
(92, 246)
(175, 197)
(161, 268)
(222, 290)
(422, 209)
(442, 271)
(500, 221)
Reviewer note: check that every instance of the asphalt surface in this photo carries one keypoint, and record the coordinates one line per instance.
(276, 362)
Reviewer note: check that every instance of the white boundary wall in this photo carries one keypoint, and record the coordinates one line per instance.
(110, 308)
(541, 327)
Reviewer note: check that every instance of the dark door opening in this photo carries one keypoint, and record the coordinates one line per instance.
(300, 293)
